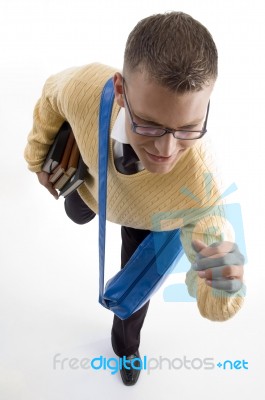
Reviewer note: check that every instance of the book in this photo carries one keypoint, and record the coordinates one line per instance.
(76, 180)
(64, 163)
(62, 166)
(56, 150)
(71, 168)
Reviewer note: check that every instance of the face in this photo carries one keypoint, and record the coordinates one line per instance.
(153, 104)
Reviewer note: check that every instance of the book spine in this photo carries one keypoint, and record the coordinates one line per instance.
(60, 169)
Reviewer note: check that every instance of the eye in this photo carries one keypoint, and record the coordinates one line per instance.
(189, 127)
(149, 123)
(146, 122)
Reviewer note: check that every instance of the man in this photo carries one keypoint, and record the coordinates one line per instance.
(157, 164)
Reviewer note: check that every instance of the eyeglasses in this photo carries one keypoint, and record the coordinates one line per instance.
(183, 134)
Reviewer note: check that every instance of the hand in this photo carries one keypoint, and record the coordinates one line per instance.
(43, 178)
(220, 264)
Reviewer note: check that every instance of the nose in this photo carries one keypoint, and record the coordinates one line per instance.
(166, 145)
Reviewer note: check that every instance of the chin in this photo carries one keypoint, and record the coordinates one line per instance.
(160, 168)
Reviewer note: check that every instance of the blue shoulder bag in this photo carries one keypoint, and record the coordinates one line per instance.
(151, 263)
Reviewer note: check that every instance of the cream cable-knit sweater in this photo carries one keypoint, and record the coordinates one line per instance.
(186, 198)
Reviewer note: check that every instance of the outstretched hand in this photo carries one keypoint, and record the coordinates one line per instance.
(220, 264)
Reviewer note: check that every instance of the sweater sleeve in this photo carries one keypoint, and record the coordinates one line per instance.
(48, 116)
(213, 304)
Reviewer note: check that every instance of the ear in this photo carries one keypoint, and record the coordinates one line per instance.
(118, 89)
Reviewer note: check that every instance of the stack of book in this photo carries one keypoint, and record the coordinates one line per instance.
(64, 162)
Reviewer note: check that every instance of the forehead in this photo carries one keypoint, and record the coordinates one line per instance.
(152, 101)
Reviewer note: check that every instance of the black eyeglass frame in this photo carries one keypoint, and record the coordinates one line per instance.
(164, 131)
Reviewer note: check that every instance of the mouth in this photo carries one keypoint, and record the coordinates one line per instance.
(159, 159)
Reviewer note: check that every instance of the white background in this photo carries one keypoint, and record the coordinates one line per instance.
(49, 278)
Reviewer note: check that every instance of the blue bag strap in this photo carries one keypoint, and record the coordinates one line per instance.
(105, 110)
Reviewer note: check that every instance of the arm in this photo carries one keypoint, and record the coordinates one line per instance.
(48, 117)
(49, 114)
(214, 304)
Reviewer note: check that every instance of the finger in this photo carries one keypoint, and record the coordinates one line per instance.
(235, 258)
(198, 245)
(217, 248)
(226, 272)
(53, 191)
(229, 285)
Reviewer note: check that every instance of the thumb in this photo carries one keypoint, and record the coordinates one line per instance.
(198, 245)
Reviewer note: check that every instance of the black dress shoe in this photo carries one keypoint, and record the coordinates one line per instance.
(130, 374)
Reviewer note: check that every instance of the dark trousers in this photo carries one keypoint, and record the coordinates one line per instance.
(125, 334)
